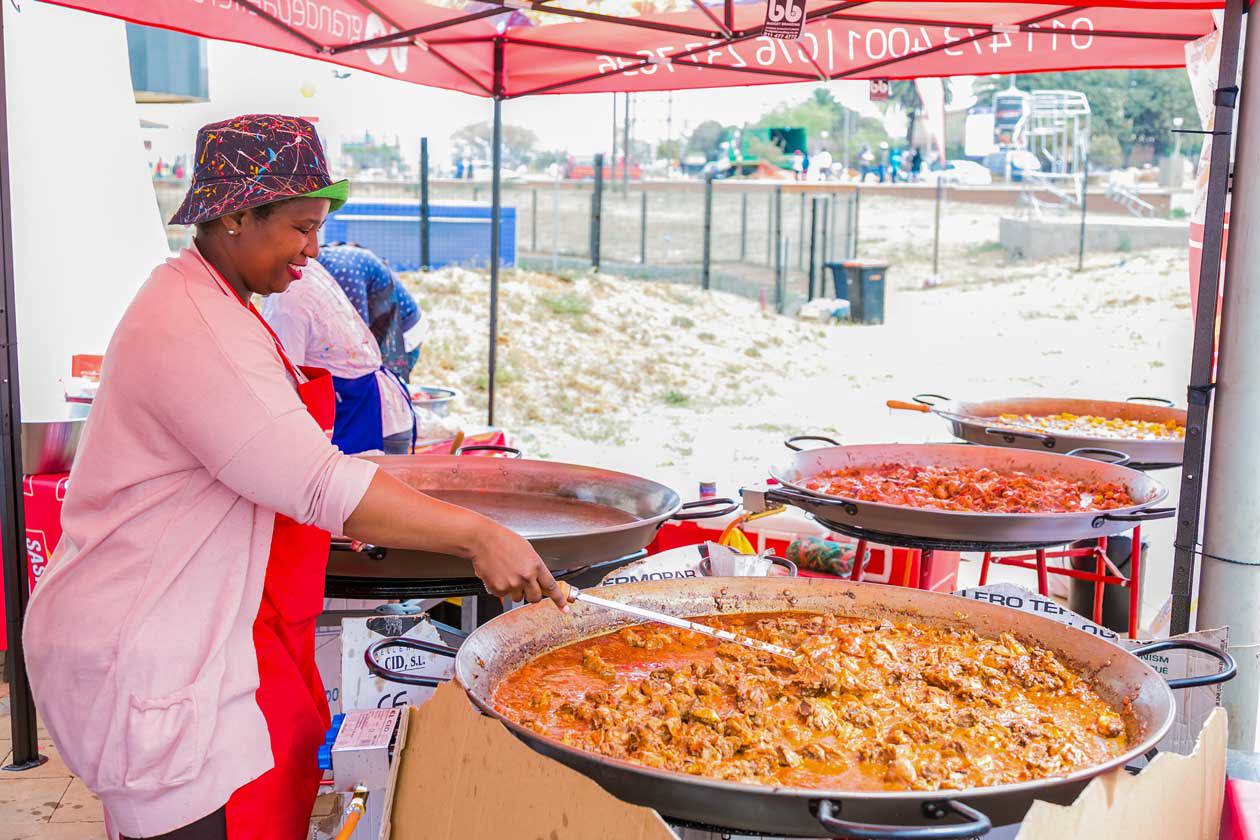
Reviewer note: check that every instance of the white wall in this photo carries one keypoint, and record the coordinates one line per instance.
(86, 231)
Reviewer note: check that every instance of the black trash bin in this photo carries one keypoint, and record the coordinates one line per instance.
(866, 290)
(839, 279)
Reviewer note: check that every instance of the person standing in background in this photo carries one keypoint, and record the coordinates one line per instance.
(318, 326)
(401, 349)
(381, 300)
(820, 166)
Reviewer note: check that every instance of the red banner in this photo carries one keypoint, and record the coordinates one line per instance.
(693, 48)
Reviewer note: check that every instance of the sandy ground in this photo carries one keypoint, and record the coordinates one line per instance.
(682, 386)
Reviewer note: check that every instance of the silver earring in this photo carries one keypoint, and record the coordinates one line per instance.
(231, 232)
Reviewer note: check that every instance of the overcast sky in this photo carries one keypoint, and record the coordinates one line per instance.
(248, 79)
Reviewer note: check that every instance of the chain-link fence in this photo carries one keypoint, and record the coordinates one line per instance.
(767, 240)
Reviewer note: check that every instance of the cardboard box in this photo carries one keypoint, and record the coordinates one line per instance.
(458, 773)
(461, 774)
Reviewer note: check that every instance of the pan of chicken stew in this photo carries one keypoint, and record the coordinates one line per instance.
(904, 714)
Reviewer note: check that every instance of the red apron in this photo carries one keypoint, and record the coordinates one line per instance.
(277, 805)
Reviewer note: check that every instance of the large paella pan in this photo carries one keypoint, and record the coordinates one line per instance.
(1140, 701)
(803, 482)
(572, 515)
(1147, 429)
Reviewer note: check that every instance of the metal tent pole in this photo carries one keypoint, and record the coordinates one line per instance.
(625, 152)
(496, 206)
(597, 212)
(12, 515)
(1199, 392)
(1230, 565)
(424, 203)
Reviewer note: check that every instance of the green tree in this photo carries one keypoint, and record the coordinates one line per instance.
(670, 149)
(706, 139)
(820, 113)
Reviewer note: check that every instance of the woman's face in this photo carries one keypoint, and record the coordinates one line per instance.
(270, 249)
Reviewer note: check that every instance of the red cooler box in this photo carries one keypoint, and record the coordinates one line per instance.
(43, 495)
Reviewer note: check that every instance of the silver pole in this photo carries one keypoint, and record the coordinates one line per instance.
(496, 206)
(1229, 589)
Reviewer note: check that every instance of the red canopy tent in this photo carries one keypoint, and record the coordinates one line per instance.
(504, 49)
(508, 49)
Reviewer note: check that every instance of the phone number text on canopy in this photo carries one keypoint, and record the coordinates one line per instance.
(836, 51)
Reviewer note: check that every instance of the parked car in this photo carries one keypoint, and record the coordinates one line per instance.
(965, 172)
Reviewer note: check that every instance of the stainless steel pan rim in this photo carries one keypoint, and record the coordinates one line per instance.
(666, 511)
(507, 642)
(944, 526)
(617, 593)
(978, 422)
(580, 539)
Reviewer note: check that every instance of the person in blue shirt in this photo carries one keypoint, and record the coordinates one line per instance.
(380, 299)
(894, 164)
(402, 350)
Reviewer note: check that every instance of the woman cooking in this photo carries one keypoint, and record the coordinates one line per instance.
(171, 642)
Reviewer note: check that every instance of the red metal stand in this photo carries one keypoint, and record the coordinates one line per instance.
(1105, 572)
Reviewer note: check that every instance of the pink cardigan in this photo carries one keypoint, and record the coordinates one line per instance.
(139, 636)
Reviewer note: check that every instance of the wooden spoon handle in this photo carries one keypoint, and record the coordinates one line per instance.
(910, 406)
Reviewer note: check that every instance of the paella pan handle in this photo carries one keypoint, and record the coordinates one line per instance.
(1120, 459)
(1139, 516)
(379, 670)
(790, 443)
(1010, 435)
(1156, 400)
(788, 496)
(1224, 675)
(728, 506)
(376, 552)
(902, 405)
(489, 447)
(977, 823)
(929, 400)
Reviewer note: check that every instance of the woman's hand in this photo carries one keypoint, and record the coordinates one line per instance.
(393, 514)
(510, 568)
